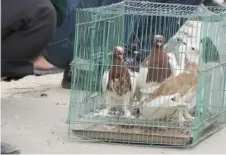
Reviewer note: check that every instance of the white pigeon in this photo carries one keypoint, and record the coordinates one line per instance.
(213, 80)
(166, 107)
(173, 46)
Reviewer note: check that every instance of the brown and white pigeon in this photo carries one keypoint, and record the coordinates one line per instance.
(119, 84)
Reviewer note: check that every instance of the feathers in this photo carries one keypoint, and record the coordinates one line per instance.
(119, 77)
(212, 80)
(119, 83)
(210, 52)
(173, 46)
(165, 108)
(167, 101)
(105, 81)
(113, 86)
(176, 70)
(119, 80)
(159, 67)
(180, 84)
(133, 57)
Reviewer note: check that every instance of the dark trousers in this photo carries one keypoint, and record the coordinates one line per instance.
(27, 26)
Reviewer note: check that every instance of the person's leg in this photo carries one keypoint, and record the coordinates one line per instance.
(59, 51)
(27, 27)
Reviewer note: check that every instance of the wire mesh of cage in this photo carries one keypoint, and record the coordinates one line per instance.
(148, 73)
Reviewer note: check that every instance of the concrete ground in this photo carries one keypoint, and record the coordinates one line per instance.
(38, 124)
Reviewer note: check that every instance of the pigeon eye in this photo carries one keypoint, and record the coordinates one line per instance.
(193, 48)
(178, 39)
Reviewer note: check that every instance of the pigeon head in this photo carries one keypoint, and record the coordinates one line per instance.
(159, 41)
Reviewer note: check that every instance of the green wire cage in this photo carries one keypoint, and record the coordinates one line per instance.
(99, 30)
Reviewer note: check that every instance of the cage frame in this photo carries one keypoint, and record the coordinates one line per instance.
(85, 133)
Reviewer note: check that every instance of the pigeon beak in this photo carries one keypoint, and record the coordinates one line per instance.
(159, 44)
(121, 57)
(184, 43)
(136, 52)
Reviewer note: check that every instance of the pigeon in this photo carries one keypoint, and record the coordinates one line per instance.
(173, 46)
(119, 84)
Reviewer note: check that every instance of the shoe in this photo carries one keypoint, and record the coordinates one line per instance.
(53, 70)
(9, 149)
(66, 82)
(8, 79)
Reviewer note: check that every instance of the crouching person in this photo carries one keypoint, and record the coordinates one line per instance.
(27, 27)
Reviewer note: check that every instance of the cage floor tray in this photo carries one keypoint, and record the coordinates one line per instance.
(141, 134)
(136, 135)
